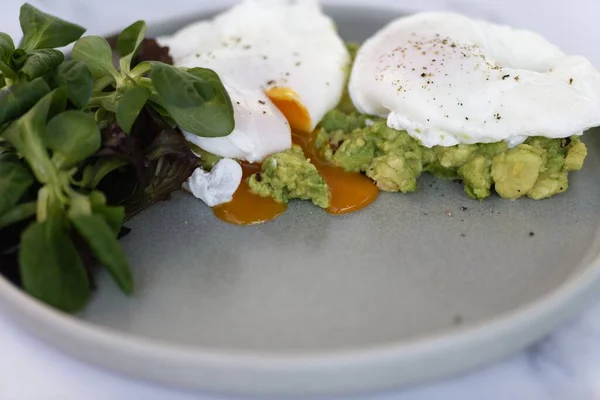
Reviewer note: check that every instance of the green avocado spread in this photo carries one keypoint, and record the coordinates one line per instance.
(537, 168)
(290, 175)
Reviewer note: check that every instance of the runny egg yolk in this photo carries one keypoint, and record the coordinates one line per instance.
(290, 105)
(350, 191)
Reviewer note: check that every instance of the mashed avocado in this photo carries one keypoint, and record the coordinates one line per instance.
(537, 168)
(290, 175)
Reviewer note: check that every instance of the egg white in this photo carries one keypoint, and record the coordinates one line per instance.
(284, 48)
(447, 79)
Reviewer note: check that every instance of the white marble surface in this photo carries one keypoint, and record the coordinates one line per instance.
(564, 366)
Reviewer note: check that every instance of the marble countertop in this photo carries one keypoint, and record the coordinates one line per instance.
(565, 365)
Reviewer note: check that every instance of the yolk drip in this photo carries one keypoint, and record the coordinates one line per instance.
(350, 191)
(290, 105)
(247, 208)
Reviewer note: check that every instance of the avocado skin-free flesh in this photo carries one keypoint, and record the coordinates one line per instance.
(537, 168)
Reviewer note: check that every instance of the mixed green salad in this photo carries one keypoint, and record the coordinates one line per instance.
(85, 145)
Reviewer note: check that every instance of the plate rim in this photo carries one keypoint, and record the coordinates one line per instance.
(341, 371)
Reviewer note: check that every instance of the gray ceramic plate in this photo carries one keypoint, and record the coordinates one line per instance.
(416, 287)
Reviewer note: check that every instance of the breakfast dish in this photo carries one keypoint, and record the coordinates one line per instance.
(254, 108)
(413, 287)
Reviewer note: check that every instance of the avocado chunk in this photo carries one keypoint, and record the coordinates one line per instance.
(516, 171)
(396, 172)
(477, 177)
(290, 175)
(576, 154)
(455, 156)
(549, 184)
(356, 153)
(440, 172)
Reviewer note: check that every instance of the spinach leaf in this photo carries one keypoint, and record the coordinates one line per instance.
(6, 47)
(44, 31)
(103, 242)
(97, 54)
(130, 106)
(73, 136)
(26, 135)
(196, 99)
(7, 72)
(40, 62)
(17, 99)
(140, 69)
(18, 59)
(76, 80)
(14, 182)
(2, 81)
(51, 268)
(113, 215)
(182, 89)
(129, 41)
(18, 213)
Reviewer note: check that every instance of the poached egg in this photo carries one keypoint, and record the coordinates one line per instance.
(282, 63)
(447, 79)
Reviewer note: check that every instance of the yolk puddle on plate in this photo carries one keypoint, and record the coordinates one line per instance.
(350, 191)
(247, 208)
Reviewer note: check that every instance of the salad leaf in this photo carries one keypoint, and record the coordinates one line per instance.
(128, 43)
(76, 80)
(51, 268)
(103, 242)
(43, 31)
(113, 215)
(6, 47)
(18, 213)
(26, 135)
(181, 88)
(18, 58)
(17, 99)
(93, 174)
(96, 53)
(73, 136)
(14, 182)
(130, 106)
(196, 99)
(40, 62)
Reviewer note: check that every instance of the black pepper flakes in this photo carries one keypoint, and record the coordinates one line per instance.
(531, 234)
(571, 81)
(517, 78)
(505, 76)
(261, 102)
(258, 177)
(271, 82)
